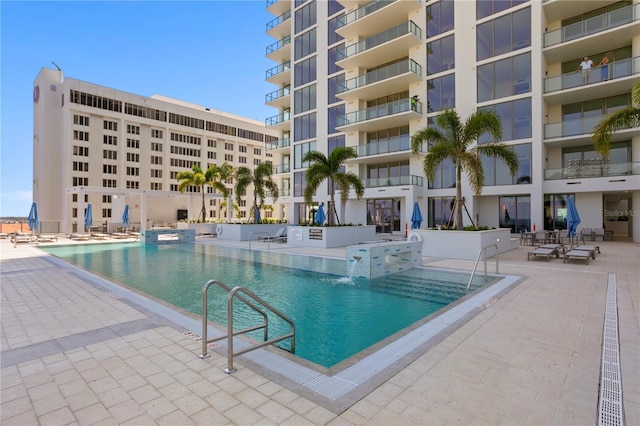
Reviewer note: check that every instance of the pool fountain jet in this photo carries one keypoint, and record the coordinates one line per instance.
(357, 258)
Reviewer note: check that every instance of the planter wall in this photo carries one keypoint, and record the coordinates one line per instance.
(464, 244)
(329, 236)
(244, 231)
(199, 228)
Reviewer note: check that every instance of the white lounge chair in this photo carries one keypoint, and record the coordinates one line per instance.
(580, 254)
(280, 236)
(79, 236)
(547, 252)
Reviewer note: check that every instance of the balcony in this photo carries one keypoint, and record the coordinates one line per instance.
(279, 144)
(381, 48)
(367, 19)
(280, 98)
(278, 7)
(393, 181)
(393, 78)
(391, 114)
(580, 129)
(278, 51)
(280, 74)
(591, 169)
(280, 121)
(609, 29)
(275, 28)
(281, 168)
(557, 10)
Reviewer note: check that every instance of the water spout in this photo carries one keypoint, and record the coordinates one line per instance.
(357, 258)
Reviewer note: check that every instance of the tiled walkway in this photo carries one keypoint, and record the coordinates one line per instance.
(74, 353)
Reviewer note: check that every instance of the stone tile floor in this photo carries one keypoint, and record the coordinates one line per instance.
(72, 353)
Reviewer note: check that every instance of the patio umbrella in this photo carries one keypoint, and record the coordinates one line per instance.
(573, 218)
(416, 217)
(320, 216)
(125, 217)
(88, 217)
(33, 217)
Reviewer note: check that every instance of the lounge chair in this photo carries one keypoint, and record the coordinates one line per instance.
(4, 236)
(47, 238)
(100, 236)
(580, 254)
(120, 235)
(280, 236)
(21, 237)
(79, 237)
(598, 233)
(586, 233)
(548, 252)
(559, 247)
(589, 248)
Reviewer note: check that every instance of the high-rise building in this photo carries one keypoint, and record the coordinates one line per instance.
(346, 70)
(98, 145)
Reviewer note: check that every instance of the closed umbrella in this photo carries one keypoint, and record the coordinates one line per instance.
(320, 216)
(125, 217)
(573, 218)
(416, 216)
(33, 217)
(88, 217)
(257, 213)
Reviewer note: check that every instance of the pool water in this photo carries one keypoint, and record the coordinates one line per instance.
(335, 316)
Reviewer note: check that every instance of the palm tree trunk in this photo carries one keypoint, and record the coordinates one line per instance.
(332, 206)
(459, 204)
(204, 209)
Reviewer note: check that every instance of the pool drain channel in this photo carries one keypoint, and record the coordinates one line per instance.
(610, 410)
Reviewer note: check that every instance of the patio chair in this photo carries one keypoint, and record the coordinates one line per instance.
(541, 251)
(540, 237)
(598, 233)
(580, 254)
(280, 236)
(586, 233)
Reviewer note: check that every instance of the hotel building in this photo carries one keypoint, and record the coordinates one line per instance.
(345, 71)
(97, 145)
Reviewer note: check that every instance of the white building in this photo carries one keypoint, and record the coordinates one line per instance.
(98, 145)
(347, 68)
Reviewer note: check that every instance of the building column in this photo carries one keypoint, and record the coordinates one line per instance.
(143, 211)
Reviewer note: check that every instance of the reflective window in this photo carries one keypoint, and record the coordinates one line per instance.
(334, 7)
(440, 55)
(439, 17)
(334, 37)
(504, 34)
(445, 176)
(515, 212)
(440, 211)
(507, 77)
(441, 93)
(333, 114)
(333, 84)
(515, 117)
(496, 171)
(304, 71)
(305, 44)
(299, 151)
(304, 99)
(305, 17)
(304, 127)
(486, 8)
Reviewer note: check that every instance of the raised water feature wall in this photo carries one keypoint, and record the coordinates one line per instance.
(384, 258)
(163, 236)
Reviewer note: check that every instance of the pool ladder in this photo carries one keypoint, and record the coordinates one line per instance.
(483, 249)
(231, 294)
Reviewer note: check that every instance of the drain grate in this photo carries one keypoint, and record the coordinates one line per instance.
(610, 411)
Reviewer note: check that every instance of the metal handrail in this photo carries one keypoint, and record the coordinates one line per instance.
(260, 232)
(231, 293)
(483, 249)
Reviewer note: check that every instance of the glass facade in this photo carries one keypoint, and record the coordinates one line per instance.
(504, 34)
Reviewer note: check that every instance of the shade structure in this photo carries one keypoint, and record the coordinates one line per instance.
(88, 217)
(573, 218)
(320, 216)
(33, 217)
(416, 216)
(125, 216)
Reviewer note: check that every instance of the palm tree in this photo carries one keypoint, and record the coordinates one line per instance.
(621, 119)
(322, 167)
(214, 176)
(453, 139)
(222, 174)
(260, 177)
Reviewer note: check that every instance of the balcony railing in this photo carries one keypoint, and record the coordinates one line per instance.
(279, 20)
(363, 11)
(592, 168)
(278, 69)
(581, 126)
(378, 111)
(280, 143)
(284, 192)
(277, 119)
(405, 28)
(281, 93)
(278, 45)
(593, 25)
(397, 144)
(393, 181)
(383, 73)
(611, 71)
(282, 168)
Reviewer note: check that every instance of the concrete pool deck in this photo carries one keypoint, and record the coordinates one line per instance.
(73, 353)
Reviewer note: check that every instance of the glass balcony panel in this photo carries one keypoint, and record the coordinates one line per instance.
(280, 19)
(393, 181)
(593, 25)
(363, 11)
(381, 74)
(280, 143)
(617, 69)
(592, 168)
(378, 39)
(278, 69)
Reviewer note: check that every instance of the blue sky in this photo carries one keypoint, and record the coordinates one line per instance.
(210, 53)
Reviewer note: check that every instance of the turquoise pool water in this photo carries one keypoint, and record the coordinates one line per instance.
(335, 316)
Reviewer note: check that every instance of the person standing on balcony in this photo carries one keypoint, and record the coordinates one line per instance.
(414, 103)
(585, 66)
(604, 71)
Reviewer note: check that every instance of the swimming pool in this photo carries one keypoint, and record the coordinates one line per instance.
(336, 317)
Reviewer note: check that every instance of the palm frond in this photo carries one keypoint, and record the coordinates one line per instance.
(619, 120)
(503, 152)
(481, 122)
(472, 165)
(436, 155)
